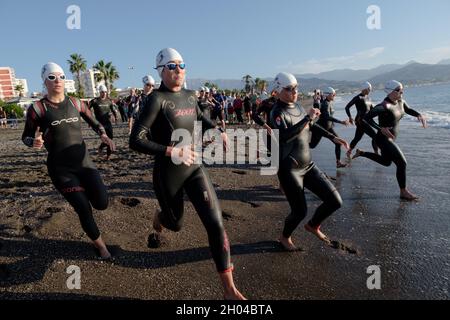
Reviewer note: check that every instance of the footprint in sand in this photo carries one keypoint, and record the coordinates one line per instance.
(340, 246)
(226, 216)
(130, 202)
(254, 205)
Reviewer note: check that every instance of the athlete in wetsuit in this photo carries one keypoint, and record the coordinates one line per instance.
(327, 121)
(104, 108)
(149, 85)
(297, 170)
(389, 114)
(363, 105)
(170, 108)
(265, 108)
(55, 121)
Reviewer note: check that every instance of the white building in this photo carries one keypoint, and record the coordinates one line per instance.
(88, 83)
(70, 86)
(24, 84)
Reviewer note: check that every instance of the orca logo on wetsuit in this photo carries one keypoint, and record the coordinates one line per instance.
(70, 120)
(169, 104)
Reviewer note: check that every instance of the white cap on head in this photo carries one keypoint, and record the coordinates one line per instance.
(284, 80)
(50, 68)
(102, 88)
(165, 56)
(391, 86)
(202, 89)
(366, 86)
(206, 89)
(328, 91)
(148, 79)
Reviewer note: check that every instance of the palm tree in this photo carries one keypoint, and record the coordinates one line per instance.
(19, 88)
(77, 64)
(106, 72)
(248, 82)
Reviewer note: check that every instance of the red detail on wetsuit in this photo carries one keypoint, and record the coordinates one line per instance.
(72, 189)
(185, 112)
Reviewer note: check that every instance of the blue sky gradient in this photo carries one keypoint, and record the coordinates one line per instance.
(223, 39)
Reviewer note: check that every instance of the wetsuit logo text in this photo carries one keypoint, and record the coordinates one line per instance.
(70, 120)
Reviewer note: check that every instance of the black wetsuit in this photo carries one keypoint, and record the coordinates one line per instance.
(265, 107)
(103, 109)
(205, 107)
(325, 121)
(297, 170)
(164, 112)
(69, 165)
(389, 115)
(363, 105)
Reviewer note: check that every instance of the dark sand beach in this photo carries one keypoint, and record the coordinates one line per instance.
(41, 237)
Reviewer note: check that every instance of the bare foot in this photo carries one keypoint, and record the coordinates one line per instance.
(340, 164)
(317, 232)
(349, 154)
(358, 153)
(233, 295)
(288, 244)
(405, 194)
(103, 253)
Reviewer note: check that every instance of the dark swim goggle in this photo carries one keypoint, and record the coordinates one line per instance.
(172, 66)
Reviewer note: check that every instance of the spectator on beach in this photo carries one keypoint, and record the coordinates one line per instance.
(3, 119)
(237, 106)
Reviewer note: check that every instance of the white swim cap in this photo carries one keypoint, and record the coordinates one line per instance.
(102, 88)
(284, 80)
(49, 68)
(148, 79)
(366, 86)
(391, 86)
(165, 56)
(328, 91)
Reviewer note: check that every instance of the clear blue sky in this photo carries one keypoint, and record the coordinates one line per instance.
(222, 39)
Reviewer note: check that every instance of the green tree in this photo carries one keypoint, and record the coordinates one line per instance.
(77, 64)
(19, 88)
(106, 72)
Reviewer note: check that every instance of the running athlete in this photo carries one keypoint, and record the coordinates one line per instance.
(363, 105)
(218, 109)
(266, 108)
(389, 114)
(149, 85)
(326, 121)
(55, 122)
(169, 108)
(104, 108)
(297, 170)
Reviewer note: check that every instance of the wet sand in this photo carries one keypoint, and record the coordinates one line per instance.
(41, 237)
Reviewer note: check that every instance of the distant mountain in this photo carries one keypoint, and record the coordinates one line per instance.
(447, 61)
(416, 73)
(352, 75)
(411, 73)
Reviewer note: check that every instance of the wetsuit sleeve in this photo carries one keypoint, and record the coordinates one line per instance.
(374, 112)
(410, 111)
(31, 124)
(288, 133)
(349, 105)
(325, 115)
(259, 120)
(206, 123)
(323, 132)
(87, 116)
(141, 139)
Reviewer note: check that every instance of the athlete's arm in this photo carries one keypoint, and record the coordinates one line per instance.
(31, 124)
(141, 138)
(348, 106)
(287, 133)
